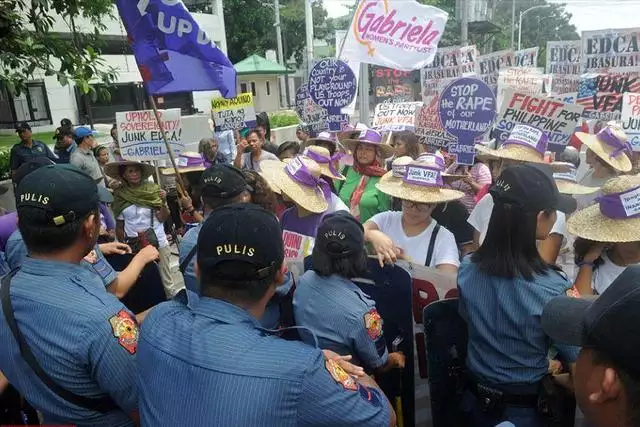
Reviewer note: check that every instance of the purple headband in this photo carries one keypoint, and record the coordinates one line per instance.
(623, 205)
(436, 159)
(300, 173)
(189, 161)
(608, 137)
(425, 176)
(371, 136)
(528, 136)
(324, 160)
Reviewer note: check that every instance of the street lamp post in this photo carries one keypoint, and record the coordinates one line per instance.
(520, 22)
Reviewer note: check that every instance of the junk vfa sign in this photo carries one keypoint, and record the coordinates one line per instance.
(467, 110)
(400, 34)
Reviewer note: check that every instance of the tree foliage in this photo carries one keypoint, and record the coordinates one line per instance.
(29, 48)
(250, 27)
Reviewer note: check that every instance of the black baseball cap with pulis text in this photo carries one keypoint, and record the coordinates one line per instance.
(63, 191)
(240, 234)
(340, 235)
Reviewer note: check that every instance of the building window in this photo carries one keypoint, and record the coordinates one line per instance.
(243, 88)
(268, 89)
(253, 88)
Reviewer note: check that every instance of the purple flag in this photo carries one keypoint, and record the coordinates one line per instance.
(172, 52)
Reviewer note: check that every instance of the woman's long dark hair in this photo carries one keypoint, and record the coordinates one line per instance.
(509, 249)
(411, 142)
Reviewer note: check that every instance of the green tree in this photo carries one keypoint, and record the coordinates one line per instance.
(250, 27)
(29, 47)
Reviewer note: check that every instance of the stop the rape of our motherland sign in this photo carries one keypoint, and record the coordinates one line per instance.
(140, 137)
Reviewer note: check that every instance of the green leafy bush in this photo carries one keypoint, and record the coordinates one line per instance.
(5, 169)
(280, 120)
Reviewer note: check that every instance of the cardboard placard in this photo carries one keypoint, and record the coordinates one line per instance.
(601, 94)
(489, 65)
(391, 85)
(631, 118)
(140, 138)
(396, 116)
(429, 128)
(234, 113)
(563, 57)
(603, 50)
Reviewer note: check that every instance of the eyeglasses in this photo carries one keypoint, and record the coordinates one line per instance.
(421, 207)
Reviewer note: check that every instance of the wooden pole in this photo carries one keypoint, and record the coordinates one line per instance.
(181, 187)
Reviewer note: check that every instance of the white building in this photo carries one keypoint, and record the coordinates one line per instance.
(47, 102)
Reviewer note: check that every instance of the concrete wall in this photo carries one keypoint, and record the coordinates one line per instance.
(262, 101)
(287, 133)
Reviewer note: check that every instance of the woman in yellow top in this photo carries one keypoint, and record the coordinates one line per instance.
(358, 191)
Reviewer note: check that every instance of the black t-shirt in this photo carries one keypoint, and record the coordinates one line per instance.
(453, 216)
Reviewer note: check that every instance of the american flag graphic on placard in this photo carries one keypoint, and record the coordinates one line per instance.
(601, 94)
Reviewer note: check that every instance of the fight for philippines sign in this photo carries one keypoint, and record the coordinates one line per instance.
(606, 49)
(399, 34)
(554, 117)
(140, 137)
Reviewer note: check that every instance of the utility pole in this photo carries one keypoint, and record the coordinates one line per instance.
(283, 80)
(513, 23)
(464, 23)
(308, 20)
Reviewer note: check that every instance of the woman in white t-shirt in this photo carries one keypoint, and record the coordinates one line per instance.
(608, 235)
(412, 234)
(140, 209)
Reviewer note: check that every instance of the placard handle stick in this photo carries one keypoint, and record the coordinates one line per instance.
(389, 137)
(181, 187)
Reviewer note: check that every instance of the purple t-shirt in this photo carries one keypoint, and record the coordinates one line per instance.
(8, 224)
(299, 233)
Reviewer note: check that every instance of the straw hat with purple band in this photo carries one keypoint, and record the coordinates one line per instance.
(611, 145)
(327, 137)
(437, 159)
(418, 182)
(299, 179)
(524, 144)
(567, 181)
(370, 137)
(187, 162)
(113, 169)
(615, 217)
(325, 160)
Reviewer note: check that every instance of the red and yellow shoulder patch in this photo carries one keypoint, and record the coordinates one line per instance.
(373, 323)
(573, 292)
(125, 328)
(340, 375)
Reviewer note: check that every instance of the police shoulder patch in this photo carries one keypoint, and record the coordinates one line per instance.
(125, 329)
(573, 292)
(373, 324)
(341, 376)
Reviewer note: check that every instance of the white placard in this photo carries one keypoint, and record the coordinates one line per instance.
(631, 202)
(140, 138)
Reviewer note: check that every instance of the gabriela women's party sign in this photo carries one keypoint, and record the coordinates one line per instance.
(397, 34)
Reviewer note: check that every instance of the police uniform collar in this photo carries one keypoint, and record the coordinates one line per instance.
(64, 271)
(223, 311)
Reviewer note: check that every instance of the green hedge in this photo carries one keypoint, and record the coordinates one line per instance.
(280, 120)
(5, 169)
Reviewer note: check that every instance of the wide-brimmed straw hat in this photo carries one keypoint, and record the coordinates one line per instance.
(615, 217)
(567, 181)
(525, 144)
(373, 138)
(187, 162)
(113, 169)
(298, 179)
(350, 131)
(418, 182)
(323, 158)
(327, 137)
(611, 145)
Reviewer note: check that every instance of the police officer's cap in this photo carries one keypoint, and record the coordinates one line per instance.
(340, 235)
(244, 234)
(64, 191)
(223, 181)
(607, 323)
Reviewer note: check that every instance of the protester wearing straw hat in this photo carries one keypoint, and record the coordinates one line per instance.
(330, 173)
(327, 140)
(608, 154)
(525, 144)
(503, 289)
(610, 235)
(140, 209)
(299, 182)
(412, 234)
(567, 182)
(359, 191)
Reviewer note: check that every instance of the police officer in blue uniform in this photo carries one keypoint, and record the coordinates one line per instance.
(77, 359)
(27, 149)
(220, 185)
(225, 369)
(116, 283)
(326, 301)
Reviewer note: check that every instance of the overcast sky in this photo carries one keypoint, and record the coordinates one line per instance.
(587, 14)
